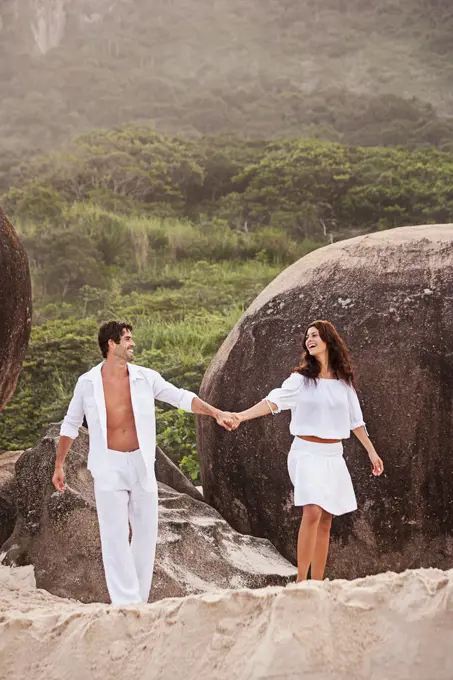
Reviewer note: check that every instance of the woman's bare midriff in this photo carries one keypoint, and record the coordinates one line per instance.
(309, 438)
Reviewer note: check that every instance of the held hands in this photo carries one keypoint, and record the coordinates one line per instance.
(230, 421)
(376, 462)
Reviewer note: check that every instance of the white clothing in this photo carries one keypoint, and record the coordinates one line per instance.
(124, 494)
(320, 476)
(328, 409)
(146, 385)
(124, 483)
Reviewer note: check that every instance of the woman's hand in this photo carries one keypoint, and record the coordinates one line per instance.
(376, 462)
(236, 420)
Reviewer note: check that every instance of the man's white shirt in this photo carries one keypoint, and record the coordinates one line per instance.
(88, 400)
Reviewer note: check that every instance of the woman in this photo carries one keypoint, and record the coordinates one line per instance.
(324, 409)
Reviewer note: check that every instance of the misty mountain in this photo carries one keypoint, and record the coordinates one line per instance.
(372, 73)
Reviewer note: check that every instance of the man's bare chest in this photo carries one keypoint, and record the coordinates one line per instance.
(118, 401)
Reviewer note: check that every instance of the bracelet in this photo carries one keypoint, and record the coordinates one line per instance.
(274, 413)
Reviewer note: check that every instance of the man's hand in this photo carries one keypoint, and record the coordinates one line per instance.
(58, 478)
(227, 420)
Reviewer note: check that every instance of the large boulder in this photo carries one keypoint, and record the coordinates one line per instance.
(7, 494)
(58, 534)
(15, 306)
(390, 294)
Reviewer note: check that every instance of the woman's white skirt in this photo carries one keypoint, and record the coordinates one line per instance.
(320, 476)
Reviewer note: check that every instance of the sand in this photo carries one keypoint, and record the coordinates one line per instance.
(384, 627)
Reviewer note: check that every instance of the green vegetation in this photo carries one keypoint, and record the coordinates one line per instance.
(178, 237)
(258, 189)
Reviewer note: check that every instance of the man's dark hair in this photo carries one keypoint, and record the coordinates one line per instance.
(112, 330)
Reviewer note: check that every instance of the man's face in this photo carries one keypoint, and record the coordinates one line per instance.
(125, 349)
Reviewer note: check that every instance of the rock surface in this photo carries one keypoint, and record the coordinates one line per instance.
(7, 494)
(58, 533)
(168, 473)
(390, 294)
(392, 626)
(15, 308)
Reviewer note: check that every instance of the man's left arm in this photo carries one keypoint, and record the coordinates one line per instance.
(189, 401)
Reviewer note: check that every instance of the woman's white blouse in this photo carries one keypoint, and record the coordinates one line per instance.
(324, 408)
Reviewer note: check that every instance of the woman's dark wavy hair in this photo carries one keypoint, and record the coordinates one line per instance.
(339, 361)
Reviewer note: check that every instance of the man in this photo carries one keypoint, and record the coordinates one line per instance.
(117, 399)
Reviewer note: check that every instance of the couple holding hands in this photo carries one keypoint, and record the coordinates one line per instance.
(117, 397)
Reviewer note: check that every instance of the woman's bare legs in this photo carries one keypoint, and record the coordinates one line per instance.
(318, 563)
(306, 542)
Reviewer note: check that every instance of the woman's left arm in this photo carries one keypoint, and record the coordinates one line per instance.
(376, 462)
(357, 425)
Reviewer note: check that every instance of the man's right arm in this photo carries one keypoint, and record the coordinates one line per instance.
(68, 432)
(64, 445)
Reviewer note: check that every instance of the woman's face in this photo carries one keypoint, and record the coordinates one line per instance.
(314, 343)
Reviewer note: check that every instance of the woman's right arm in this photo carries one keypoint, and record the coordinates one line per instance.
(277, 400)
(262, 408)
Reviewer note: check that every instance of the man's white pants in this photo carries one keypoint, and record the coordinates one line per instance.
(125, 495)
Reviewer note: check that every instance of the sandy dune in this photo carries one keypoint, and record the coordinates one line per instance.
(385, 627)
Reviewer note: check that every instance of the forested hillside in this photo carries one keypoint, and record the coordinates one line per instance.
(357, 71)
